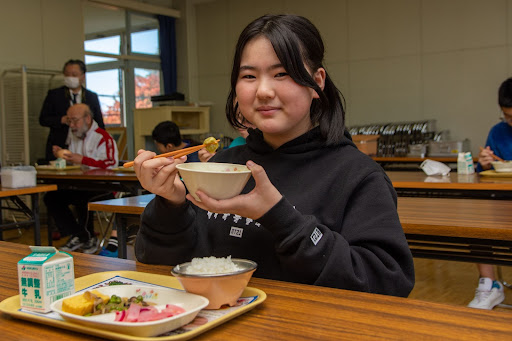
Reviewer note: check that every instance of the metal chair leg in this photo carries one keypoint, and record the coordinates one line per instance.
(500, 278)
(104, 232)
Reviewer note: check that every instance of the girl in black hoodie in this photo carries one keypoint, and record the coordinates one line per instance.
(316, 210)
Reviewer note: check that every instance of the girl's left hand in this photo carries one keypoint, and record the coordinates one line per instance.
(204, 155)
(252, 205)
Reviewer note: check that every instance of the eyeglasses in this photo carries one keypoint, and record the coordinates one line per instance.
(74, 120)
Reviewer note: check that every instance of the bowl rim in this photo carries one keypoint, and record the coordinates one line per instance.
(252, 266)
(184, 166)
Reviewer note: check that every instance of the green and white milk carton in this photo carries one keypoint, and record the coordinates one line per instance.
(45, 276)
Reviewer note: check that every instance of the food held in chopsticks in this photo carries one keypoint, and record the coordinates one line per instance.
(179, 153)
(211, 144)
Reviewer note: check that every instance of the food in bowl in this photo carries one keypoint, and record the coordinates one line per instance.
(211, 266)
(217, 180)
(133, 309)
(84, 304)
(221, 282)
(502, 166)
(167, 310)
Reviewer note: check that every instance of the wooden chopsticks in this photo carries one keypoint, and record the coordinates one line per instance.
(495, 157)
(177, 153)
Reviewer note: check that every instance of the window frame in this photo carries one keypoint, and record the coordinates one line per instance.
(127, 61)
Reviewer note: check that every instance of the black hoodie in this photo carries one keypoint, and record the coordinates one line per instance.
(336, 225)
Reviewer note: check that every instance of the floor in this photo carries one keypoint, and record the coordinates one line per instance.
(436, 281)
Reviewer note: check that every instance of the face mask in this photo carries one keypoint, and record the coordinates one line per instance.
(72, 82)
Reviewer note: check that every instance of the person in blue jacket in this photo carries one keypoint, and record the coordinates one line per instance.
(489, 292)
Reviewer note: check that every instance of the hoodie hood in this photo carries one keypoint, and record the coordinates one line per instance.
(311, 140)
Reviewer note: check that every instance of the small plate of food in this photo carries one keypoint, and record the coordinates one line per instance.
(143, 311)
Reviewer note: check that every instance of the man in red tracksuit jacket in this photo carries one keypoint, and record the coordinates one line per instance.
(91, 146)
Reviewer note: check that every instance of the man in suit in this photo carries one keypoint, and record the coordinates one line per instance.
(57, 102)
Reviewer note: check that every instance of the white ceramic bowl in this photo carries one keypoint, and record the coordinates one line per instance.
(158, 295)
(219, 289)
(217, 180)
(502, 167)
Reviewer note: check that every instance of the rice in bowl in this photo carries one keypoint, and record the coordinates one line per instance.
(211, 266)
(221, 280)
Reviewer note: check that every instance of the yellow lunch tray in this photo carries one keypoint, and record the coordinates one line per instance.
(122, 169)
(11, 306)
(493, 173)
(52, 168)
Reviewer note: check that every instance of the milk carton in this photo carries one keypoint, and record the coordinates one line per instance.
(45, 276)
(465, 163)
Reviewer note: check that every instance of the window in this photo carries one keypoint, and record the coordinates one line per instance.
(122, 57)
(107, 85)
(145, 42)
(147, 84)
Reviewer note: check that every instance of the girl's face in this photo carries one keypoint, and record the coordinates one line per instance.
(269, 98)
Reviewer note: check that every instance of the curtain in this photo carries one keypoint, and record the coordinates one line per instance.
(167, 41)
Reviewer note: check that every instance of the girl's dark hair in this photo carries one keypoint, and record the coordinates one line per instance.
(505, 94)
(167, 132)
(296, 42)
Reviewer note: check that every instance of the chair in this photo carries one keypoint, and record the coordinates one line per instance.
(119, 135)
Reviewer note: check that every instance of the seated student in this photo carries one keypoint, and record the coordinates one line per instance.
(489, 292)
(316, 210)
(167, 138)
(90, 146)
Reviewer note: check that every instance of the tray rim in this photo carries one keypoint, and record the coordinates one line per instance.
(44, 168)
(122, 169)
(493, 173)
(11, 305)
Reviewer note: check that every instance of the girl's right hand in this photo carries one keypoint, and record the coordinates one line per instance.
(485, 158)
(160, 176)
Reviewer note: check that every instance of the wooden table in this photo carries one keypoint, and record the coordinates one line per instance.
(473, 230)
(291, 311)
(470, 230)
(13, 195)
(92, 180)
(123, 208)
(454, 185)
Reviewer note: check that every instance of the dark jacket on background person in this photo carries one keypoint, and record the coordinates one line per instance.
(336, 226)
(55, 106)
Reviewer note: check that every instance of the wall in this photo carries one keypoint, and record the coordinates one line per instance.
(40, 34)
(394, 60)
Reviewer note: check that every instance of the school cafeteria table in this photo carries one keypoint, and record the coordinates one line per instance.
(123, 209)
(13, 194)
(452, 186)
(92, 180)
(472, 230)
(291, 311)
